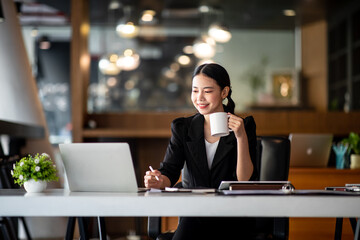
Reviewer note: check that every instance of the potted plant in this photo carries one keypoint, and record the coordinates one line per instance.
(353, 142)
(34, 172)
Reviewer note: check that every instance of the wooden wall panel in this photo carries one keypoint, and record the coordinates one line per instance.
(150, 152)
(80, 65)
(157, 125)
(314, 64)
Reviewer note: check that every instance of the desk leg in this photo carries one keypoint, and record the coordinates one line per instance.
(102, 228)
(353, 224)
(82, 227)
(11, 225)
(357, 230)
(70, 228)
(338, 228)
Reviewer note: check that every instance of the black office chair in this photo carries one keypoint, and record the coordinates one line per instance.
(9, 225)
(272, 164)
(273, 159)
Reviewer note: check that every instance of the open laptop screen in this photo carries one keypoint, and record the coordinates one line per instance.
(99, 167)
(310, 150)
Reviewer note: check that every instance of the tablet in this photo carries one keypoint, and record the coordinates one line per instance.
(253, 185)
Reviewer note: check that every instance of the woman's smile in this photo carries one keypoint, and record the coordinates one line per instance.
(202, 105)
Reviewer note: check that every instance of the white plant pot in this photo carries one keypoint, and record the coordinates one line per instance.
(354, 161)
(32, 186)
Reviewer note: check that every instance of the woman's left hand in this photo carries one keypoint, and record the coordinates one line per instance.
(237, 125)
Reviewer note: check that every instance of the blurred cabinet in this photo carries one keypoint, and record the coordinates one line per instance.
(319, 178)
(344, 57)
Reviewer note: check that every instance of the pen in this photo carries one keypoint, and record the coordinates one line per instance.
(152, 170)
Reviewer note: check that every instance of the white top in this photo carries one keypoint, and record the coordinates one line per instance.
(210, 151)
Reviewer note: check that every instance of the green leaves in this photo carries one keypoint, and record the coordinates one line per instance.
(39, 167)
(353, 141)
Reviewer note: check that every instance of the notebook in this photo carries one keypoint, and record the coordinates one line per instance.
(310, 150)
(98, 167)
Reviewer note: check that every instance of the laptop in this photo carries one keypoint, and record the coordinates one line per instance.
(310, 150)
(98, 167)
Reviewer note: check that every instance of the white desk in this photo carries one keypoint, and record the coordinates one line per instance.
(57, 202)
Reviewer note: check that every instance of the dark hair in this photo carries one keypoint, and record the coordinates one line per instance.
(220, 75)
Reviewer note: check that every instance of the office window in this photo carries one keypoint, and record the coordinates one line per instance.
(151, 68)
(53, 81)
(344, 57)
(49, 55)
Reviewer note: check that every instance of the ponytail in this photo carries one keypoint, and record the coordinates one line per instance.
(230, 106)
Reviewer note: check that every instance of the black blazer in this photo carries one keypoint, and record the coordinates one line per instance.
(187, 150)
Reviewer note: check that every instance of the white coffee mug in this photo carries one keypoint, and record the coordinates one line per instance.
(219, 126)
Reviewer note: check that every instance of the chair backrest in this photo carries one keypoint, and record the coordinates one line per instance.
(6, 165)
(272, 162)
(273, 158)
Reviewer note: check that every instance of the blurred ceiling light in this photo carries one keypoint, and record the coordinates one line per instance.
(114, 4)
(148, 17)
(219, 33)
(188, 49)
(204, 9)
(44, 43)
(184, 60)
(107, 65)
(289, 12)
(101, 89)
(111, 81)
(129, 61)
(204, 47)
(34, 32)
(130, 84)
(134, 95)
(168, 73)
(173, 87)
(175, 67)
(125, 27)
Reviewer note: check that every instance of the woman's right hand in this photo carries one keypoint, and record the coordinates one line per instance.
(153, 179)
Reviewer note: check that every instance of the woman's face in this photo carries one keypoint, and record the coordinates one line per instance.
(206, 95)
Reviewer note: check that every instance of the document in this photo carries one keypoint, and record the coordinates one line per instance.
(183, 190)
(282, 192)
(192, 190)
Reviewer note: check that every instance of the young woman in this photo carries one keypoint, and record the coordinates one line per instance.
(208, 160)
